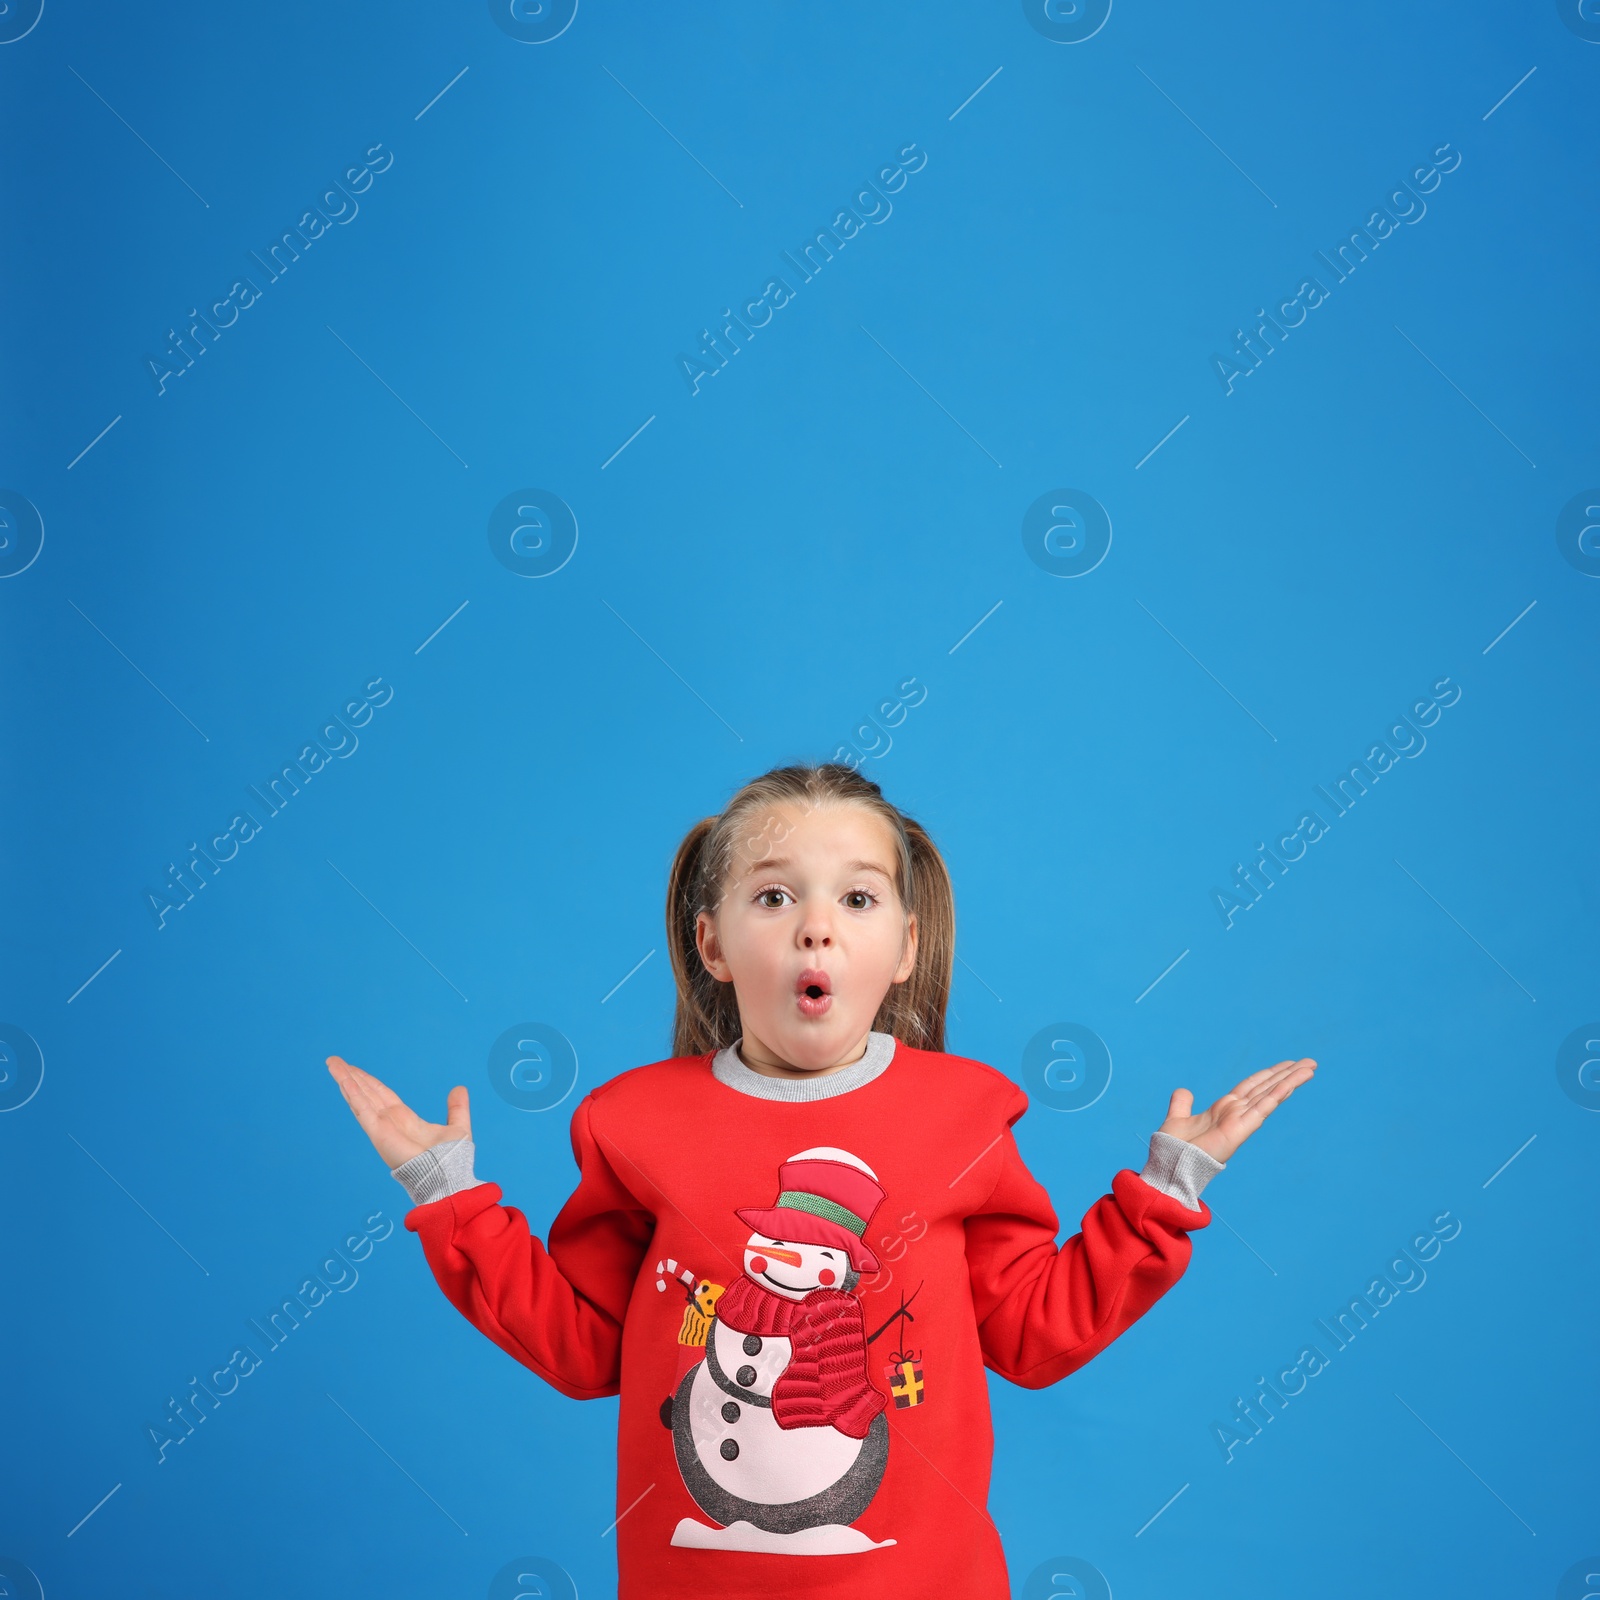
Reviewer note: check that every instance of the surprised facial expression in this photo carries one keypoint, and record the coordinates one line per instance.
(793, 1270)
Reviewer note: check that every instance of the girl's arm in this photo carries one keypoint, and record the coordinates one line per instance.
(1042, 1311)
(558, 1310)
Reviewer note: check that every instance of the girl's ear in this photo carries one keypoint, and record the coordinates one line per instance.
(908, 957)
(710, 948)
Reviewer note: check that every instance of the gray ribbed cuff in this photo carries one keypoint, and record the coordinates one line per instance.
(1179, 1168)
(444, 1169)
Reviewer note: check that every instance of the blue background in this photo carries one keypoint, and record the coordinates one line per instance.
(832, 513)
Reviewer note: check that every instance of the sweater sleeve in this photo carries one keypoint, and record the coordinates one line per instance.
(440, 1170)
(1044, 1311)
(1179, 1168)
(557, 1309)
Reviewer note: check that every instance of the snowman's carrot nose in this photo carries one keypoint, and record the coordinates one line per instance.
(788, 1257)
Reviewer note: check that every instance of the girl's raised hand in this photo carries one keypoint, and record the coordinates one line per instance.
(396, 1131)
(1221, 1130)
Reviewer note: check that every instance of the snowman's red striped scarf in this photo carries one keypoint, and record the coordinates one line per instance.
(826, 1382)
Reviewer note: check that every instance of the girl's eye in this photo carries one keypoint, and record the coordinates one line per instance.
(855, 899)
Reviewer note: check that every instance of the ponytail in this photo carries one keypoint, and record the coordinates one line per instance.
(699, 1011)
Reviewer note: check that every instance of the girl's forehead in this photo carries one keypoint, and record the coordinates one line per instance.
(848, 836)
(832, 817)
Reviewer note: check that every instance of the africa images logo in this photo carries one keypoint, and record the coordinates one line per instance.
(1403, 738)
(1403, 204)
(870, 203)
(337, 204)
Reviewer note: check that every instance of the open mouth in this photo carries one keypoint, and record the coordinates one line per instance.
(814, 992)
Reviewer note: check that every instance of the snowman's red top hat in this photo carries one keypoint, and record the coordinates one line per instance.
(823, 1202)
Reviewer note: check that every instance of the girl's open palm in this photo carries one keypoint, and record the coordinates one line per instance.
(396, 1131)
(1222, 1129)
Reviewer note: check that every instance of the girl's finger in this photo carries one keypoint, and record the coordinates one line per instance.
(1292, 1073)
(1272, 1089)
(348, 1076)
(1267, 1082)
(1258, 1077)
(1268, 1098)
(1242, 1119)
(1272, 1095)
(375, 1111)
(1247, 1084)
(368, 1115)
(378, 1091)
(362, 1101)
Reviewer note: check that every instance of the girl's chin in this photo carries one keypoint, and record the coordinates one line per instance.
(810, 1045)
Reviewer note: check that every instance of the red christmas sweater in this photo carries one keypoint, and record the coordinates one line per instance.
(823, 1443)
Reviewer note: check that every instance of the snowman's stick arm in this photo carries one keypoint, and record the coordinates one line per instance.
(902, 1312)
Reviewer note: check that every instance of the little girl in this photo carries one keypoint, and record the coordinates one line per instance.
(722, 1260)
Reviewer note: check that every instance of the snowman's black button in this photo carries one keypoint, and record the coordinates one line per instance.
(730, 1410)
(730, 1449)
(746, 1376)
(752, 1344)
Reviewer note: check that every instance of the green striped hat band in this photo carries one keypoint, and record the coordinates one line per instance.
(831, 1210)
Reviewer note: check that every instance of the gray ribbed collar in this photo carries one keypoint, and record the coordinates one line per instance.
(728, 1067)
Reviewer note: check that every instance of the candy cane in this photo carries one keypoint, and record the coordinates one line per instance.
(683, 1274)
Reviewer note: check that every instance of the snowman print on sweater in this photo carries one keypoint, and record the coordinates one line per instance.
(779, 1433)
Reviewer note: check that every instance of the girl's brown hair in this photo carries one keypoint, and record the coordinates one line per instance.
(716, 847)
